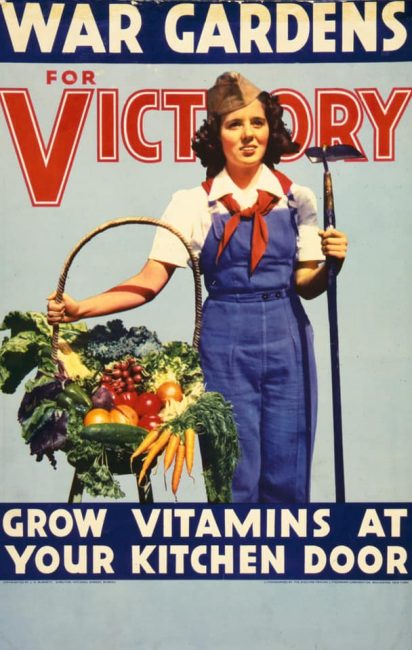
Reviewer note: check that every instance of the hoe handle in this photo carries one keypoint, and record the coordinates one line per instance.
(330, 222)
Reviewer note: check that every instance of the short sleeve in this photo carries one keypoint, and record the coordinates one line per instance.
(309, 242)
(179, 214)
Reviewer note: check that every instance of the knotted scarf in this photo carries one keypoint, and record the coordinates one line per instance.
(260, 234)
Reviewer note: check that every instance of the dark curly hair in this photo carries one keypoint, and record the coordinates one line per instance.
(207, 145)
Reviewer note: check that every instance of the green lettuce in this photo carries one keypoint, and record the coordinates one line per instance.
(29, 346)
(175, 360)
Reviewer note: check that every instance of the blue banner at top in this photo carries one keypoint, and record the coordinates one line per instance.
(204, 32)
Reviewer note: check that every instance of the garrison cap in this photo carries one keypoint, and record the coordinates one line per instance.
(230, 92)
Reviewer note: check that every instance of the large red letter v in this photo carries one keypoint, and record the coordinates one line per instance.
(45, 169)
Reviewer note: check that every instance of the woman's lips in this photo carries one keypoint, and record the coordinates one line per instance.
(248, 150)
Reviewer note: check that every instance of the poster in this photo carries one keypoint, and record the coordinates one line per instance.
(344, 69)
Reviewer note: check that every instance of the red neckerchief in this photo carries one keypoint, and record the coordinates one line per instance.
(260, 234)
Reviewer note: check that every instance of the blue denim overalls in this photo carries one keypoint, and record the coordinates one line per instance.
(257, 350)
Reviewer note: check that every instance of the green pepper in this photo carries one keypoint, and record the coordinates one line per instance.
(77, 395)
(64, 401)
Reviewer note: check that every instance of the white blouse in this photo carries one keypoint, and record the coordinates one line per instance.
(191, 212)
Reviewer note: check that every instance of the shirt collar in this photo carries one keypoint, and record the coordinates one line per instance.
(223, 184)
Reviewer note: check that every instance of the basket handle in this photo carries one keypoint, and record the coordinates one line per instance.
(122, 221)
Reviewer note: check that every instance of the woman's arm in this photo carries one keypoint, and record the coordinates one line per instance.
(311, 279)
(135, 291)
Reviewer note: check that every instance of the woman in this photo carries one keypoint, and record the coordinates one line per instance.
(257, 236)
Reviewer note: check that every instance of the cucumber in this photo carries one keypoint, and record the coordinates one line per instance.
(114, 433)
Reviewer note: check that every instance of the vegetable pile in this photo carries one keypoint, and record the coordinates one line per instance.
(118, 400)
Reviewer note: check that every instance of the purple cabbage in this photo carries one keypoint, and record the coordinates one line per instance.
(33, 398)
(50, 437)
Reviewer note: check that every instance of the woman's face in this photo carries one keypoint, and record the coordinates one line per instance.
(244, 136)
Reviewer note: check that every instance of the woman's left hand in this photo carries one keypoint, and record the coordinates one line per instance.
(334, 243)
(311, 279)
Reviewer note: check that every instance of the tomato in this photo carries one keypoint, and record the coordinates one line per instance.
(148, 404)
(170, 390)
(96, 416)
(130, 398)
(124, 415)
(150, 422)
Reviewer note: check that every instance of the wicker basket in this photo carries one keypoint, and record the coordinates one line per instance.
(118, 463)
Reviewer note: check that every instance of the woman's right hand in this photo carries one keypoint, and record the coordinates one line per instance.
(65, 311)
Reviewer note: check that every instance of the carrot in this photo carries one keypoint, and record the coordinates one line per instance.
(159, 445)
(170, 452)
(178, 467)
(145, 444)
(190, 449)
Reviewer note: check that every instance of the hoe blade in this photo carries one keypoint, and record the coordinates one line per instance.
(333, 153)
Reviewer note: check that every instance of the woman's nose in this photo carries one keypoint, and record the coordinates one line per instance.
(247, 131)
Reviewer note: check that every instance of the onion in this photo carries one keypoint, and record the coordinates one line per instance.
(103, 398)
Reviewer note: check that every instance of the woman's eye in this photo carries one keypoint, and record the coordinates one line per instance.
(255, 122)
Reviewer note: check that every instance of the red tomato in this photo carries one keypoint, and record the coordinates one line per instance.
(129, 398)
(148, 404)
(150, 422)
